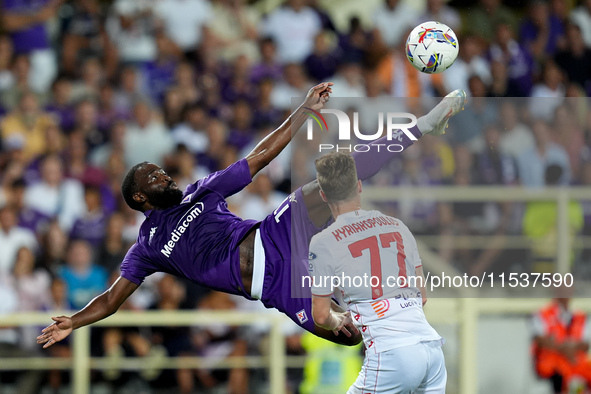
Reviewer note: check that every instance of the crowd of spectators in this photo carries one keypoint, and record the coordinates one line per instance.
(89, 88)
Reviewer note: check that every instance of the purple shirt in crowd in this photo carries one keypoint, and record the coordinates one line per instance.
(33, 37)
(198, 239)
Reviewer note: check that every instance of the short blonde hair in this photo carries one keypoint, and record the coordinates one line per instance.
(337, 176)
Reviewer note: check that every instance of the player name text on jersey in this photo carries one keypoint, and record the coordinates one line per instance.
(362, 225)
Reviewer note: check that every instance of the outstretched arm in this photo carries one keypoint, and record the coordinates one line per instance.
(100, 307)
(274, 143)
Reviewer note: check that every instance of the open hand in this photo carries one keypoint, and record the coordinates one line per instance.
(318, 95)
(55, 332)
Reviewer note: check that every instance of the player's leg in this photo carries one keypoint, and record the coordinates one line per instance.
(436, 378)
(370, 162)
(280, 269)
(396, 371)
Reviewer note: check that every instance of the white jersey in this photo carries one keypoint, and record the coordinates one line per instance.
(371, 259)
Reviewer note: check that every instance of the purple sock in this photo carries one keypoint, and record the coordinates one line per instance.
(370, 162)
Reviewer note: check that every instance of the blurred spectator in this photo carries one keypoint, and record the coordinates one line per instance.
(218, 341)
(191, 132)
(32, 286)
(99, 157)
(12, 238)
(113, 247)
(260, 198)
(28, 381)
(533, 163)
(494, 167)
(266, 113)
(131, 28)
(60, 105)
(329, 368)
(575, 59)
(91, 226)
(186, 84)
(54, 244)
(517, 60)
(27, 123)
(294, 84)
(392, 20)
(355, 42)
(185, 21)
(6, 52)
(548, 94)
(56, 196)
(467, 129)
(438, 11)
(25, 21)
(560, 345)
(581, 16)
(322, 63)
(241, 132)
(325, 18)
(568, 134)
(129, 89)
(176, 340)
(541, 33)
(146, 139)
(293, 27)
(500, 80)
(92, 76)
(83, 278)
(516, 137)
(423, 215)
(173, 108)
(349, 80)
(159, 74)
(20, 69)
(268, 67)
(401, 79)
(108, 111)
(86, 125)
(485, 19)
(470, 62)
(234, 27)
(83, 34)
(186, 170)
(28, 217)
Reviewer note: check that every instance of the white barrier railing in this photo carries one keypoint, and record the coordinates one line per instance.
(464, 312)
(562, 196)
(81, 363)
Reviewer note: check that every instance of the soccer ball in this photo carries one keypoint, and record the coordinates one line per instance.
(432, 47)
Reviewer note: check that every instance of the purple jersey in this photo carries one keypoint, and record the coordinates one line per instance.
(29, 38)
(198, 239)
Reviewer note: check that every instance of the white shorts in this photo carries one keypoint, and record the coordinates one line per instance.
(411, 369)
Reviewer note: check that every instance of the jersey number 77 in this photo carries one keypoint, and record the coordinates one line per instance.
(371, 243)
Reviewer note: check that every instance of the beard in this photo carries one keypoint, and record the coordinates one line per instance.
(166, 199)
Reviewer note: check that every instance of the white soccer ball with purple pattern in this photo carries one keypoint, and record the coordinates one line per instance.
(432, 47)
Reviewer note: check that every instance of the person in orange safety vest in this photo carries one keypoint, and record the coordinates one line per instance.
(561, 342)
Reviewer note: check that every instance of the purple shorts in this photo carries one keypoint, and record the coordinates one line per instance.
(286, 235)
